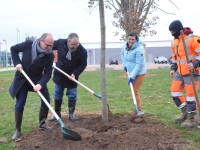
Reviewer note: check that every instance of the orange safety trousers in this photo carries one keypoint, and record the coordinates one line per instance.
(181, 83)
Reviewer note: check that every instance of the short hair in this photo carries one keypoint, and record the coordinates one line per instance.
(43, 37)
(72, 35)
(133, 34)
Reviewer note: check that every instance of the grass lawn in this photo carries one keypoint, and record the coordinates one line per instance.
(155, 95)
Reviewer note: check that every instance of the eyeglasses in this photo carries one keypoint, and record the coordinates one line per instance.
(47, 45)
(74, 45)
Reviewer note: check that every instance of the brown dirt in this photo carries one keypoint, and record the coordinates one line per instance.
(121, 132)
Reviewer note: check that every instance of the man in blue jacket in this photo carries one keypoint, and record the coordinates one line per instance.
(37, 61)
(72, 59)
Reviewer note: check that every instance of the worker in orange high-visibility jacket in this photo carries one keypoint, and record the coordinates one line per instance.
(180, 72)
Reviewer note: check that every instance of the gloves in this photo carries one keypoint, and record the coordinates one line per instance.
(130, 81)
(125, 69)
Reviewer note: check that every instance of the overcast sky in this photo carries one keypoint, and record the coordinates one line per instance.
(61, 17)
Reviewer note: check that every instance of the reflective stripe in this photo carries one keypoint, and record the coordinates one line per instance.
(174, 61)
(182, 105)
(198, 57)
(190, 58)
(187, 43)
(197, 50)
(176, 94)
(190, 99)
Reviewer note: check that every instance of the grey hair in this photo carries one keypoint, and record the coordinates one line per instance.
(43, 37)
(72, 35)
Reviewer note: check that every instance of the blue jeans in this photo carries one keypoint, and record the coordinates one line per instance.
(22, 96)
(59, 92)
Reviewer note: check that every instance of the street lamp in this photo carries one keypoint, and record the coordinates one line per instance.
(6, 54)
(18, 35)
(27, 37)
(0, 54)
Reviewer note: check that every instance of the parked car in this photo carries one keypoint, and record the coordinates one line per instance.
(113, 61)
(160, 60)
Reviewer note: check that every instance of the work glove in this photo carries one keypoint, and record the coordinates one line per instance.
(125, 69)
(131, 80)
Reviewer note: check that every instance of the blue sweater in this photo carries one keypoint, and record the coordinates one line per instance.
(133, 59)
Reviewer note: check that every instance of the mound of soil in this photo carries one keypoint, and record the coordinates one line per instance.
(121, 132)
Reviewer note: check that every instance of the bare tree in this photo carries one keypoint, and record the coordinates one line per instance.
(132, 15)
(32, 38)
(102, 62)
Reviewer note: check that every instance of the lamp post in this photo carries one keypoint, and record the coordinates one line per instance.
(18, 36)
(27, 37)
(6, 54)
(0, 54)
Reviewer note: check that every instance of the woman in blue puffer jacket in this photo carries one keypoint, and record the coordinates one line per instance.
(133, 61)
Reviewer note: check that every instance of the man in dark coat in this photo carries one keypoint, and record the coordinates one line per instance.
(72, 59)
(37, 61)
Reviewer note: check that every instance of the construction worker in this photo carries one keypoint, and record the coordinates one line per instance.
(180, 72)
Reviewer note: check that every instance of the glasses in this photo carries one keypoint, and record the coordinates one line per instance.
(74, 45)
(47, 45)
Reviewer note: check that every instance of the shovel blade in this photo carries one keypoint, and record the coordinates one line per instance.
(70, 135)
(137, 110)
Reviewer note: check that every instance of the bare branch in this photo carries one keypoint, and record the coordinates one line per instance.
(93, 8)
(164, 11)
(174, 4)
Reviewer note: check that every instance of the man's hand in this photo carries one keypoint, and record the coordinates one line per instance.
(72, 77)
(172, 73)
(19, 67)
(190, 66)
(37, 87)
(130, 81)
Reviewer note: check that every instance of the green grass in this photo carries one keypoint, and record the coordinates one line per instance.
(155, 95)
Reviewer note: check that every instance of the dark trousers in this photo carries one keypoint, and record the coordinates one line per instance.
(22, 96)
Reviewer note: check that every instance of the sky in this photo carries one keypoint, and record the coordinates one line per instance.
(22, 18)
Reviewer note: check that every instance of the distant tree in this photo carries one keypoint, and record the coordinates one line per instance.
(32, 38)
(132, 15)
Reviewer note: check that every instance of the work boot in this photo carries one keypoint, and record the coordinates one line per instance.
(189, 122)
(183, 116)
(71, 107)
(58, 104)
(42, 117)
(18, 122)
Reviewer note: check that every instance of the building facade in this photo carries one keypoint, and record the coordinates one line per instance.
(113, 50)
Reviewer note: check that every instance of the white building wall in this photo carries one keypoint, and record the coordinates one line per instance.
(164, 43)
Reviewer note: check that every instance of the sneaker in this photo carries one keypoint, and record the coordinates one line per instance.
(134, 113)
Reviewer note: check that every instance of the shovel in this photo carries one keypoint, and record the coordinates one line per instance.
(191, 76)
(68, 134)
(134, 100)
(95, 94)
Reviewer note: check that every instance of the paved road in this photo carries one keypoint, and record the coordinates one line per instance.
(108, 67)
(119, 67)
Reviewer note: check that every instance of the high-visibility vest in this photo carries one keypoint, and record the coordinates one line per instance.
(178, 53)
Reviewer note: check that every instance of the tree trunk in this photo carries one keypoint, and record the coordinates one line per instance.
(102, 62)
